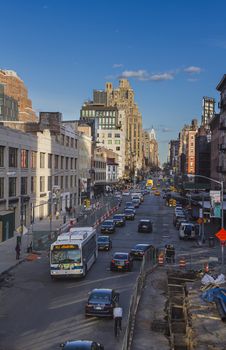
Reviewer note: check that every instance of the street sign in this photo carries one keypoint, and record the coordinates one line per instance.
(221, 235)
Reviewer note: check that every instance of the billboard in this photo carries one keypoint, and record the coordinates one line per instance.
(215, 204)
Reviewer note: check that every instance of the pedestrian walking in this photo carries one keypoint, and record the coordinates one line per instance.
(117, 314)
(17, 249)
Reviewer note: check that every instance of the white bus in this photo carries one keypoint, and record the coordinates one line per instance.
(74, 252)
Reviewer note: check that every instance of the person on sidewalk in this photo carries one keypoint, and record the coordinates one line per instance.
(17, 249)
(117, 314)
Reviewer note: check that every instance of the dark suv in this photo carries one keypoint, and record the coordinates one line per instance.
(139, 250)
(101, 302)
(119, 220)
(108, 226)
(145, 225)
(81, 344)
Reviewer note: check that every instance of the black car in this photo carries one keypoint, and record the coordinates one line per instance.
(139, 250)
(104, 243)
(129, 214)
(145, 225)
(81, 345)
(101, 302)
(108, 226)
(121, 262)
(119, 220)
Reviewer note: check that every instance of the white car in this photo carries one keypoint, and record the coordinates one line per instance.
(126, 193)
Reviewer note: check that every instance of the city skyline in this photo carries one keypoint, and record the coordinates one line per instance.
(171, 53)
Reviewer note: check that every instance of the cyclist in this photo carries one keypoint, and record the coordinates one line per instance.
(117, 314)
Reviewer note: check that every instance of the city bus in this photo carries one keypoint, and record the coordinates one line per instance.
(73, 253)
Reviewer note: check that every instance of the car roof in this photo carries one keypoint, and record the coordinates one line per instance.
(145, 220)
(78, 342)
(142, 245)
(116, 253)
(108, 221)
(103, 236)
(102, 290)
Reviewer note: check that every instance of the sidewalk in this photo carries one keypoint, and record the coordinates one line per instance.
(7, 248)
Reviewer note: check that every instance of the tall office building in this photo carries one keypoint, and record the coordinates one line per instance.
(208, 110)
(14, 87)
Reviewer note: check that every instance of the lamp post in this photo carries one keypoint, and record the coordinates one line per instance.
(221, 183)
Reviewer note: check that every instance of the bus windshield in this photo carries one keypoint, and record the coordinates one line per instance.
(66, 256)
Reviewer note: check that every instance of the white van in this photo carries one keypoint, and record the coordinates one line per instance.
(187, 231)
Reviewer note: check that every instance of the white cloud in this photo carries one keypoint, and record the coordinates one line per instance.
(162, 76)
(193, 70)
(117, 65)
(145, 76)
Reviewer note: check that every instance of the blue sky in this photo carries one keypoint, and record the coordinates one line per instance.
(172, 52)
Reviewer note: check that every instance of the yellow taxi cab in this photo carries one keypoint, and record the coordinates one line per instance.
(157, 193)
(154, 188)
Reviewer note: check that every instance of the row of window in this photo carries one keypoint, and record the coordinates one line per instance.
(27, 157)
(64, 182)
(93, 113)
(100, 176)
(110, 135)
(99, 165)
(67, 141)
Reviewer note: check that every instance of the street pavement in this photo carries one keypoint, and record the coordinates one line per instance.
(38, 313)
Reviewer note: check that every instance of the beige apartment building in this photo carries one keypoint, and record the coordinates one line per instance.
(38, 171)
(123, 98)
(14, 87)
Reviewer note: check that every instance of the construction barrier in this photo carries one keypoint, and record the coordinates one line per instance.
(182, 263)
(161, 259)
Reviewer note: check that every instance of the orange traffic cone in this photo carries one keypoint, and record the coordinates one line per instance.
(182, 263)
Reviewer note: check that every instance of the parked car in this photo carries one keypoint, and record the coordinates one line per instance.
(145, 225)
(104, 243)
(121, 262)
(81, 344)
(119, 220)
(129, 214)
(179, 222)
(101, 302)
(139, 250)
(108, 226)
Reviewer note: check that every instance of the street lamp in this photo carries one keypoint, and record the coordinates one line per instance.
(221, 183)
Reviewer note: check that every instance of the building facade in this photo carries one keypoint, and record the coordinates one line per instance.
(36, 160)
(15, 88)
(208, 111)
(8, 106)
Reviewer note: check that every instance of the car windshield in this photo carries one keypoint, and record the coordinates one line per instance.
(128, 211)
(141, 247)
(121, 256)
(144, 221)
(117, 217)
(107, 223)
(66, 256)
(78, 346)
(188, 228)
(102, 239)
(100, 298)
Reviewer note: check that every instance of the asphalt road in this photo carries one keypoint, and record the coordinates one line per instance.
(38, 313)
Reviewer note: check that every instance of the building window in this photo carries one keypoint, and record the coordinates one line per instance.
(50, 183)
(72, 143)
(66, 163)
(75, 180)
(109, 142)
(109, 135)
(23, 185)
(42, 183)
(56, 180)
(12, 186)
(76, 143)
(33, 184)
(71, 181)
(117, 148)
(62, 162)
(56, 161)
(24, 159)
(62, 139)
(12, 157)
(1, 187)
(67, 141)
(62, 182)
(71, 163)
(50, 161)
(117, 142)
(66, 181)
(75, 163)
(33, 160)
(117, 135)
(42, 160)
(2, 148)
